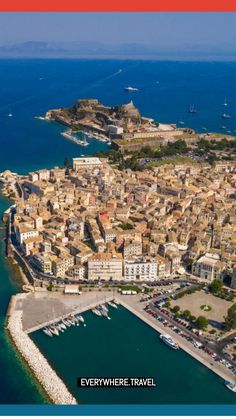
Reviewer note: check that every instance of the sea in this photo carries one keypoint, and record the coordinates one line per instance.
(124, 345)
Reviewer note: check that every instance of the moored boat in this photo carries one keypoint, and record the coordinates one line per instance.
(80, 318)
(112, 304)
(169, 341)
(96, 311)
(47, 332)
(104, 307)
(231, 386)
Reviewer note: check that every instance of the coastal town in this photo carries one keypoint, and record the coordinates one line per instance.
(92, 221)
(148, 237)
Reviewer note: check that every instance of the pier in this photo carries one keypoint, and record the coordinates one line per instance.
(89, 305)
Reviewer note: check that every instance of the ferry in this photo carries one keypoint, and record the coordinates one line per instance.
(231, 386)
(169, 341)
(130, 89)
(225, 116)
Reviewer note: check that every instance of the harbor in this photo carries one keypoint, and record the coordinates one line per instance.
(113, 348)
(56, 316)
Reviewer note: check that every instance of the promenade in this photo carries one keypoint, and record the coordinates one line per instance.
(134, 306)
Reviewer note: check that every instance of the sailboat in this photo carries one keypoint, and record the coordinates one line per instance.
(192, 109)
(225, 116)
(225, 103)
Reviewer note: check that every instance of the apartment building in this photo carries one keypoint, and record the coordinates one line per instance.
(140, 269)
(105, 266)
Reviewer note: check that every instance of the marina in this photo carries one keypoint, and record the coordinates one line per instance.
(122, 353)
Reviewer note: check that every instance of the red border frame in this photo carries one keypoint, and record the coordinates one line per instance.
(118, 6)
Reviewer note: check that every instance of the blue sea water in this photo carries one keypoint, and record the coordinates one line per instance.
(31, 87)
(166, 89)
(126, 347)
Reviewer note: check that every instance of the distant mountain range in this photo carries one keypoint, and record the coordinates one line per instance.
(33, 49)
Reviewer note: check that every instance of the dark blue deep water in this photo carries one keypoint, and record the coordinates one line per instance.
(166, 89)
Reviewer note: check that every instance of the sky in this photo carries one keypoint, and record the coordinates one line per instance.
(160, 29)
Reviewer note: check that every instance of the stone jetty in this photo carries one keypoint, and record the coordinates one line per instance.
(47, 377)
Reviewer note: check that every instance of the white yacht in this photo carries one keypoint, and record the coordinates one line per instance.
(169, 341)
(81, 318)
(231, 386)
(47, 332)
(130, 89)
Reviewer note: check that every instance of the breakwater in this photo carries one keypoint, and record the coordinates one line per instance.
(47, 377)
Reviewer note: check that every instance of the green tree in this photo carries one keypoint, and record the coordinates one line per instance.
(230, 319)
(216, 286)
(167, 304)
(50, 287)
(187, 314)
(201, 322)
(176, 309)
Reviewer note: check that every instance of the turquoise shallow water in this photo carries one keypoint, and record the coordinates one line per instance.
(122, 347)
(31, 87)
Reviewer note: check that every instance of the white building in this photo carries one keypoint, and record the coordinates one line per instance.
(208, 267)
(140, 269)
(114, 129)
(83, 162)
(105, 266)
(24, 232)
